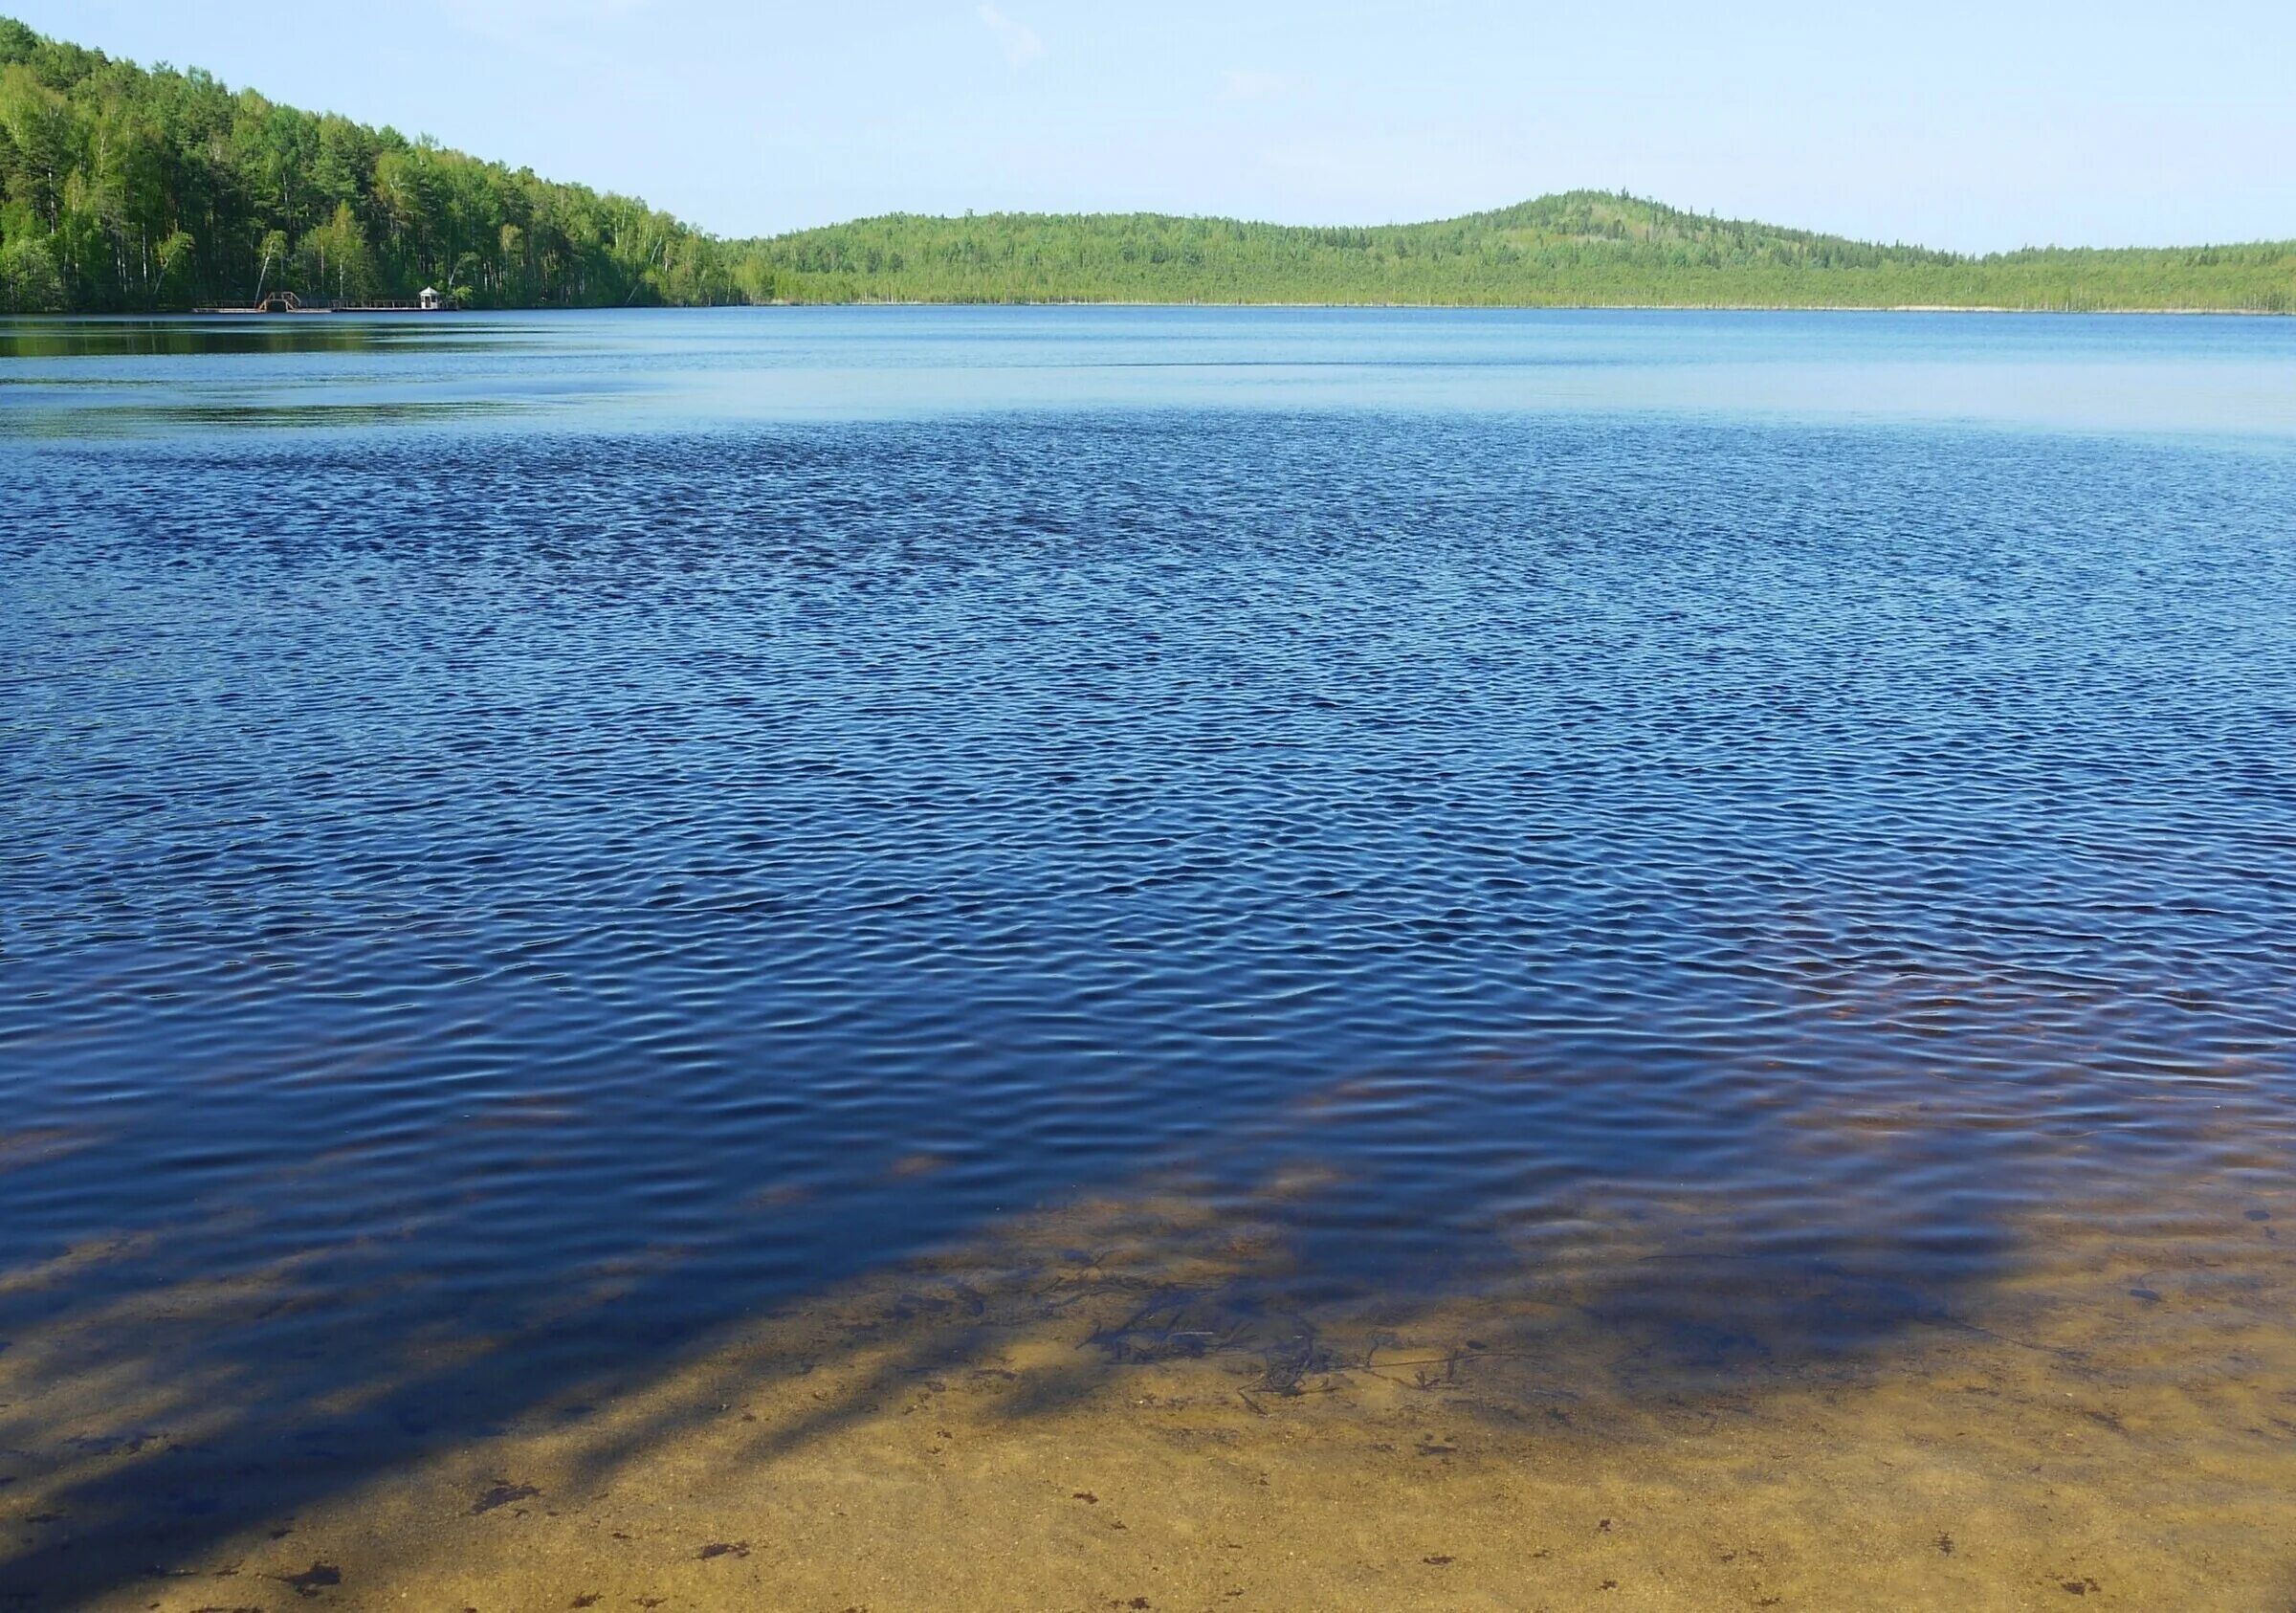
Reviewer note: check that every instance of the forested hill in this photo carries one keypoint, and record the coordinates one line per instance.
(1581, 248)
(128, 190)
(122, 189)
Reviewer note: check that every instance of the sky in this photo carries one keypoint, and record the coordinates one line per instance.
(1966, 127)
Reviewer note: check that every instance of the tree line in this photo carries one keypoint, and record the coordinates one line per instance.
(123, 191)
(128, 190)
(1583, 248)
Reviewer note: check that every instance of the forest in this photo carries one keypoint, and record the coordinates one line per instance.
(1579, 249)
(128, 191)
(123, 191)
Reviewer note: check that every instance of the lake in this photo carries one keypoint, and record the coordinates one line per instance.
(1242, 958)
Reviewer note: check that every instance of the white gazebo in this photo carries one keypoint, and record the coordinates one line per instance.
(429, 300)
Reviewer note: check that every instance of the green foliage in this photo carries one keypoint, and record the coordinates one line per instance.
(126, 190)
(1585, 248)
(28, 281)
(122, 189)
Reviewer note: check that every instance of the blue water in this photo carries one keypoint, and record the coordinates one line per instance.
(731, 800)
(702, 372)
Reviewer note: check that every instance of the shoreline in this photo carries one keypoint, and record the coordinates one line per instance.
(211, 313)
(1523, 308)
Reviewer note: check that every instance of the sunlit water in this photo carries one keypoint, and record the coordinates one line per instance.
(579, 829)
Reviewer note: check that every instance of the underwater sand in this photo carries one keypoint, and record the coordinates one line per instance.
(1087, 1411)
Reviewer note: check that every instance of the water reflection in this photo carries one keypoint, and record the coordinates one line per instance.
(120, 420)
(684, 370)
(196, 338)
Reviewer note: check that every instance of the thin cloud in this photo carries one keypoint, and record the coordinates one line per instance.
(511, 19)
(1245, 83)
(1020, 44)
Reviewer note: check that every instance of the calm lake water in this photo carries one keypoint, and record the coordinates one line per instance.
(529, 839)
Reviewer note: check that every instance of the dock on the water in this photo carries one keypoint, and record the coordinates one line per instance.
(430, 301)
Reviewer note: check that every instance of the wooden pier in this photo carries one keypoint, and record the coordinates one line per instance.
(287, 302)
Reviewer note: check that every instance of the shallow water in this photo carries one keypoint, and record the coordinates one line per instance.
(1719, 855)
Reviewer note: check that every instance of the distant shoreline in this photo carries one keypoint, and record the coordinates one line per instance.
(241, 315)
(1495, 307)
(1112, 301)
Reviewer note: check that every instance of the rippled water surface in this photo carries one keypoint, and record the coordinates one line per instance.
(575, 831)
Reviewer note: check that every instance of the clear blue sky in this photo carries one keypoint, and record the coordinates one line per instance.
(1958, 125)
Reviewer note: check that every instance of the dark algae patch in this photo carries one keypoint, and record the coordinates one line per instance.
(312, 1580)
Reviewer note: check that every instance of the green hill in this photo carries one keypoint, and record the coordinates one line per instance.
(1581, 248)
(125, 190)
